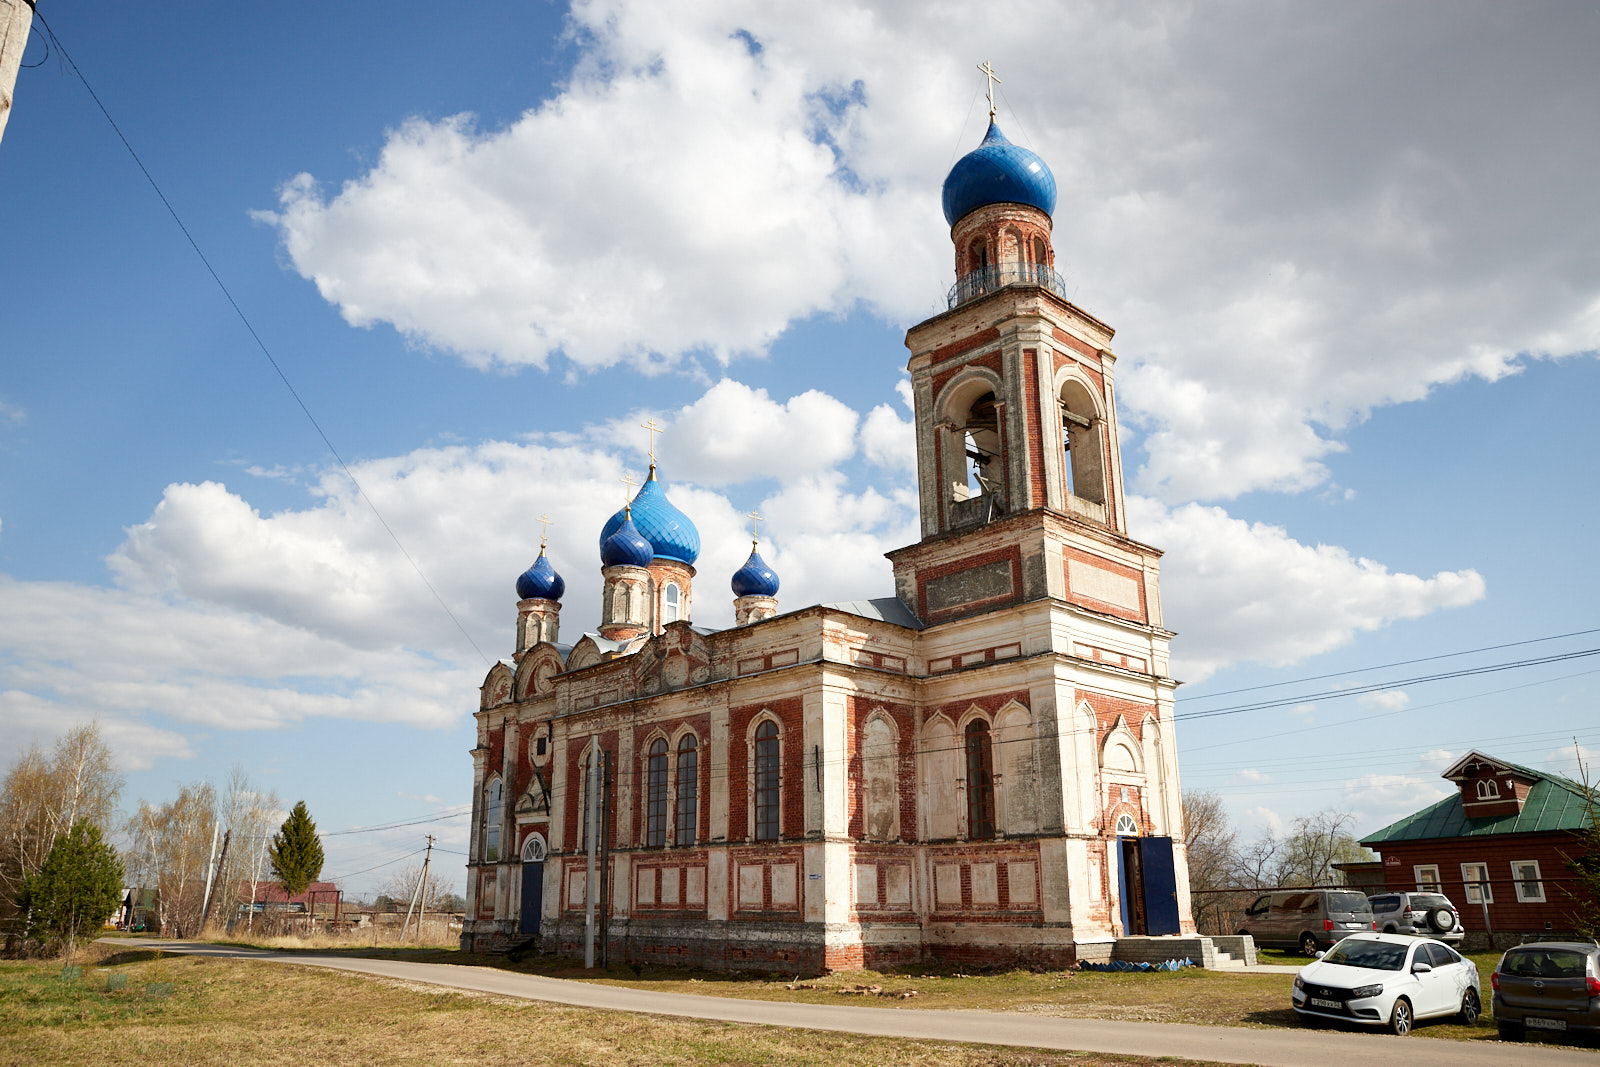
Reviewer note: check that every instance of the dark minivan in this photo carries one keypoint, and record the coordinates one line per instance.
(1306, 919)
(1548, 986)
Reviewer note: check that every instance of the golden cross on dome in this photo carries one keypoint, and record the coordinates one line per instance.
(755, 521)
(988, 72)
(650, 424)
(627, 499)
(544, 534)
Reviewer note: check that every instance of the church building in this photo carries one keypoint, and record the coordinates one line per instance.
(979, 769)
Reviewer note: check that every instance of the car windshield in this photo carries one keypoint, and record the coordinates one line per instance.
(1543, 963)
(1374, 955)
(1429, 900)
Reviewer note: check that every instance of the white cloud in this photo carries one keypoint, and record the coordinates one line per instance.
(1264, 818)
(1380, 799)
(1283, 241)
(733, 433)
(1237, 591)
(11, 414)
(1251, 776)
(1385, 699)
(889, 441)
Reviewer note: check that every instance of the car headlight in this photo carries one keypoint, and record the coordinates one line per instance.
(1365, 991)
(1299, 983)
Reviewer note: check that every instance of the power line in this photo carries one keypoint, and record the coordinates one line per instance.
(441, 816)
(369, 870)
(362, 493)
(1386, 666)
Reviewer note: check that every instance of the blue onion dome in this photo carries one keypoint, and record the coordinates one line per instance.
(669, 531)
(626, 547)
(998, 172)
(540, 580)
(755, 578)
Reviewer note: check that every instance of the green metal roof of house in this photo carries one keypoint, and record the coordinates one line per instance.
(1554, 803)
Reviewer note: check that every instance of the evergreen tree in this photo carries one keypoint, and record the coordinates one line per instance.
(77, 888)
(1584, 861)
(296, 851)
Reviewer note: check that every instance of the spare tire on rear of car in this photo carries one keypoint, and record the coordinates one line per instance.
(1441, 920)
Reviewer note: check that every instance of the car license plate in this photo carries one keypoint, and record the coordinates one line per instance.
(1546, 1024)
(1319, 1002)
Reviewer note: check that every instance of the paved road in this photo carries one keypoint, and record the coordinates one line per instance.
(1228, 1044)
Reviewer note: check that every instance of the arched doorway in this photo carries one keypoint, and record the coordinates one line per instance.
(533, 851)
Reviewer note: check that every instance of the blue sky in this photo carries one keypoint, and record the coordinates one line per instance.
(1350, 255)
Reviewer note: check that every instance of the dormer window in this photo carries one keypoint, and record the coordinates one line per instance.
(1488, 789)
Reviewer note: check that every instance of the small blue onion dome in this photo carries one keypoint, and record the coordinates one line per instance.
(998, 172)
(626, 547)
(755, 578)
(540, 580)
(669, 531)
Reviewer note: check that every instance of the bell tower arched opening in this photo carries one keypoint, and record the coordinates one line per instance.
(972, 447)
(1082, 440)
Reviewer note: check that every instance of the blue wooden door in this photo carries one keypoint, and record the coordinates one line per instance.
(532, 896)
(1160, 880)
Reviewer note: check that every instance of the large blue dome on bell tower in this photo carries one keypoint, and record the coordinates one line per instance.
(998, 172)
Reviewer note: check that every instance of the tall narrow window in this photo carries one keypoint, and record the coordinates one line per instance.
(671, 602)
(1488, 789)
(655, 820)
(688, 791)
(767, 781)
(980, 782)
(1530, 886)
(1475, 876)
(491, 823)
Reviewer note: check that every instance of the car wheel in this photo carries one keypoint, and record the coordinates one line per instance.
(1470, 1008)
(1391, 929)
(1441, 919)
(1509, 1031)
(1308, 945)
(1400, 1017)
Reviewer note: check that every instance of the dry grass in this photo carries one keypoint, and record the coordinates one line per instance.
(228, 1012)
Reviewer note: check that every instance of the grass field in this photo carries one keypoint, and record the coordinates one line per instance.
(1215, 998)
(199, 1011)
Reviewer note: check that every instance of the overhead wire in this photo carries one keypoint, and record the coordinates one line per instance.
(261, 344)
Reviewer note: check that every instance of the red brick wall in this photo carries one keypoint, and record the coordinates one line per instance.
(1037, 434)
(795, 768)
(990, 360)
(927, 574)
(574, 792)
(857, 710)
(966, 344)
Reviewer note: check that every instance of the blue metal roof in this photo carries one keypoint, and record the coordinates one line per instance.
(669, 531)
(626, 547)
(755, 578)
(998, 172)
(540, 580)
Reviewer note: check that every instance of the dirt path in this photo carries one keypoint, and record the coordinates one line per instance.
(1277, 1048)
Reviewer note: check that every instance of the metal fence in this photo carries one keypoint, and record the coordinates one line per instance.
(971, 286)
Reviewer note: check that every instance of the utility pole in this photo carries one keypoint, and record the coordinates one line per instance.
(222, 864)
(422, 879)
(211, 867)
(591, 842)
(16, 19)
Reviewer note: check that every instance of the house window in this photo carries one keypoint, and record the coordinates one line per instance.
(491, 823)
(671, 603)
(767, 781)
(980, 782)
(1126, 827)
(1476, 878)
(655, 822)
(1530, 884)
(1488, 789)
(688, 791)
(1427, 876)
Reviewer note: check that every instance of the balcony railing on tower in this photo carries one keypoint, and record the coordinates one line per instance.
(971, 286)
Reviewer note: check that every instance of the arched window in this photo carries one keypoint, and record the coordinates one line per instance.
(688, 791)
(671, 602)
(1084, 451)
(1041, 256)
(491, 823)
(655, 818)
(767, 781)
(1126, 827)
(1488, 789)
(980, 782)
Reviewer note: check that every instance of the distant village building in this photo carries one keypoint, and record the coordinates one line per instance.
(1497, 847)
(979, 769)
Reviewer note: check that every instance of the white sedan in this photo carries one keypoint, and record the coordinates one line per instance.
(1387, 980)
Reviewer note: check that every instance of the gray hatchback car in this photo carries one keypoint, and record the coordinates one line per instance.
(1549, 987)
(1428, 914)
